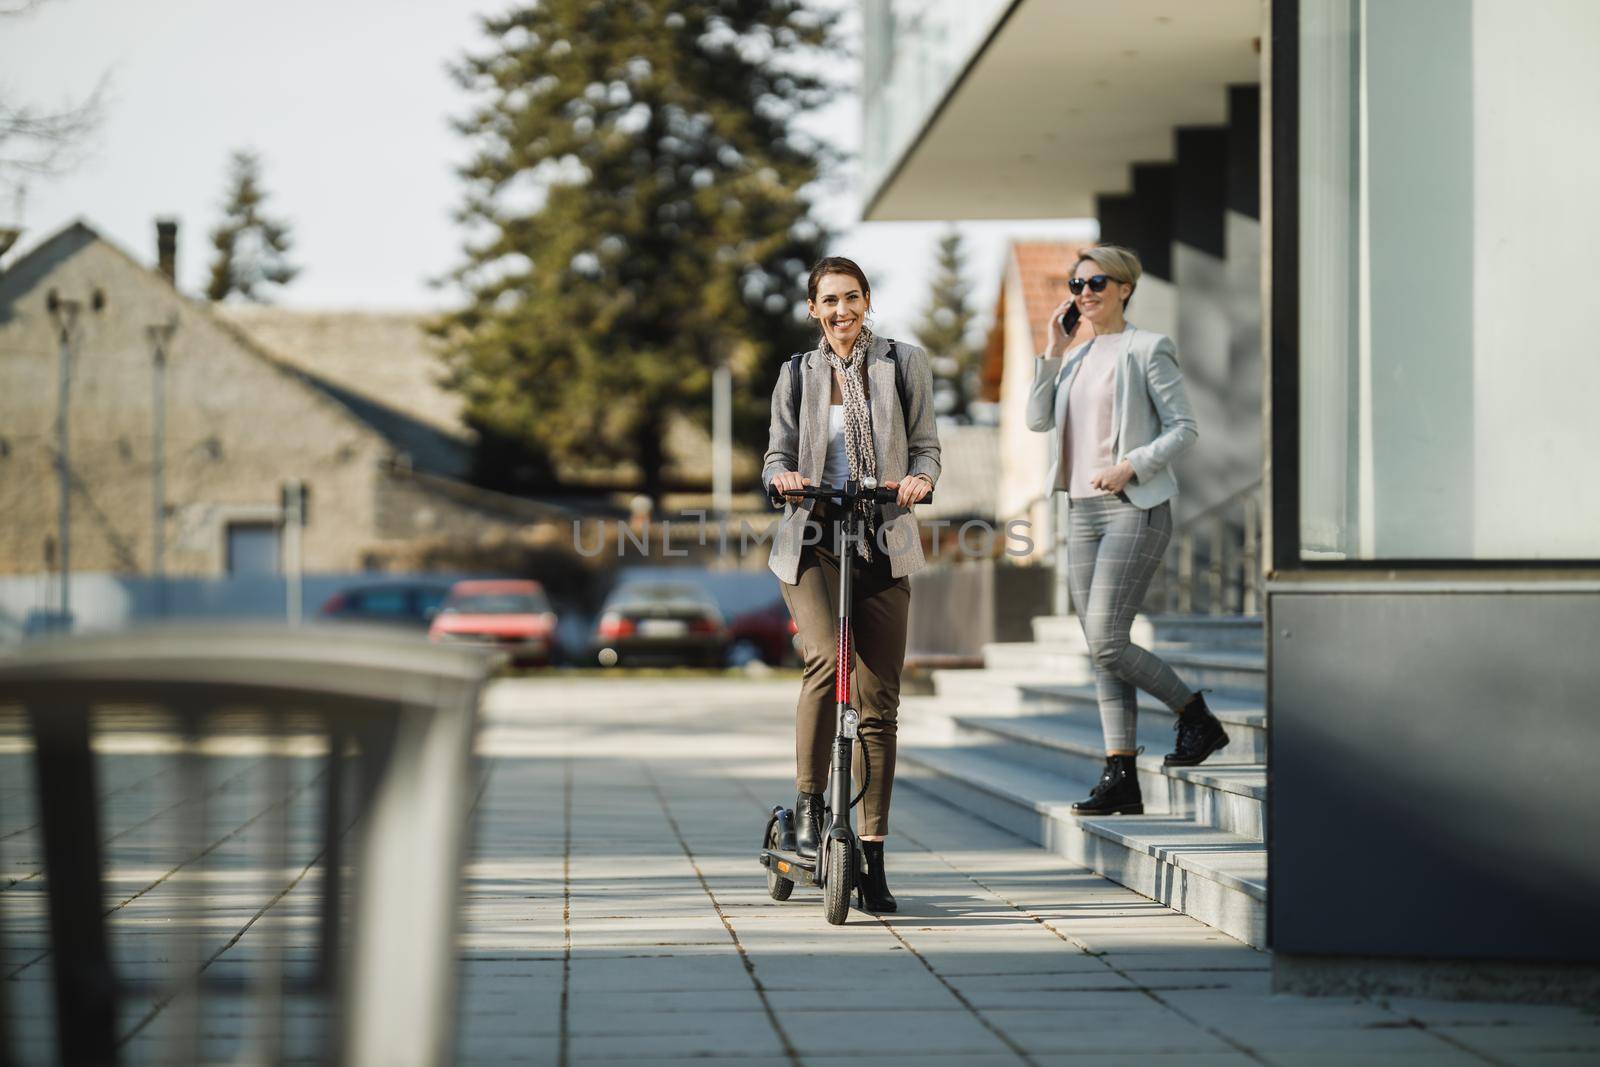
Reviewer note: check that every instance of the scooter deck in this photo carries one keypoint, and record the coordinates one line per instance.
(787, 863)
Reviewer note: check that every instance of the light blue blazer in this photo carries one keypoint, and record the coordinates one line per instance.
(1155, 424)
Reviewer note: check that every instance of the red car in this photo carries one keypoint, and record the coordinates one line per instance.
(513, 615)
(765, 633)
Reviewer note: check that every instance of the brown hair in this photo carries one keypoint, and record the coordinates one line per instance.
(836, 265)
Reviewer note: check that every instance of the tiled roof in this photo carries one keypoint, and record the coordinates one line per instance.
(1043, 267)
(386, 357)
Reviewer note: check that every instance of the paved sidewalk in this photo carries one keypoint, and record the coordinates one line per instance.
(616, 913)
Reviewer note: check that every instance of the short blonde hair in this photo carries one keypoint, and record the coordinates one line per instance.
(1121, 263)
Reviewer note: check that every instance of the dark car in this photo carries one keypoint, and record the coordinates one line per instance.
(660, 622)
(766, 633)
(409, 604)
(513, 615)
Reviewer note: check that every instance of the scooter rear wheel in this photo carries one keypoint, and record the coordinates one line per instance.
(841, 882)
(778, 887)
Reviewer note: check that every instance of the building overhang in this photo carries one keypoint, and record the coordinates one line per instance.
(1062, 98)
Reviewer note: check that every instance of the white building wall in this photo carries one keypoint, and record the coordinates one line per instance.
(1024, 453)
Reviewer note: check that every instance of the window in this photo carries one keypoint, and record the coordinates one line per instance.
(1447, 324)
(252, 548)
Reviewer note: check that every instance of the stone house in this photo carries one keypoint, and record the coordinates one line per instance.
(378, 448)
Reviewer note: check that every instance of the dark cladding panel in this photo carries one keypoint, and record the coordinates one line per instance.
(1153, 197)
(1432, 790)
(1202, 189)
(1119, 221)
(1244, 150)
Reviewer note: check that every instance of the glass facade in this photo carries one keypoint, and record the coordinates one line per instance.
(914, 50)
(1448, 325)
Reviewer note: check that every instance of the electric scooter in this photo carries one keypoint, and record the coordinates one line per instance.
(839, 857)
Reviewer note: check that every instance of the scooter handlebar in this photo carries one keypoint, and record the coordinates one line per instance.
(841, 494)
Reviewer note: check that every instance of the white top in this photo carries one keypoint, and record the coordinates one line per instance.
(836, 468)
(1091, 427)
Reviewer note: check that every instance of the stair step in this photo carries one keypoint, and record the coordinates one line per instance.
(1066, 631)
(1221, 794)
(1245, 720)
(1241, 632)
(1233, 671)
(1229, 671)
(1000, 690)
(1213, 875)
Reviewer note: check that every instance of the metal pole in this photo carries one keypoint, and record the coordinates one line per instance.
(1252, 553)
(722, 442)
(65, 313)
(160, 336)
(1061, 596)
(292, 520)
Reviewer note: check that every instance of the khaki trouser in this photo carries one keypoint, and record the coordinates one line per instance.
(878, 629)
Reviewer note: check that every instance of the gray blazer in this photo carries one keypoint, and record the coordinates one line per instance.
(1155, 424)
(804, 448)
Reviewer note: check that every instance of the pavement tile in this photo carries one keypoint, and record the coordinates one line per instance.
(654, 976)
(1443, 1057)
(946, 1030)
(1503, 1040)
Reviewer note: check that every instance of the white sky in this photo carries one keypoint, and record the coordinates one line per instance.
(348, 102)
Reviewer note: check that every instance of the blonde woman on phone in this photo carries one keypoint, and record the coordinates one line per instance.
(1112, 398)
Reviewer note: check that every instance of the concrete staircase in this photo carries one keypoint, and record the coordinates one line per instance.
(1018, 741)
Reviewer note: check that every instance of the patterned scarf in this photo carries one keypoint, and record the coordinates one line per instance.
(857, 426)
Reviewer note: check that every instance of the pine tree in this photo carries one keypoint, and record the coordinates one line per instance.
(946, 325)
(635, 216)
(251, 248)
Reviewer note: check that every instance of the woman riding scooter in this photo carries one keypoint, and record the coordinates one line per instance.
(856, 407)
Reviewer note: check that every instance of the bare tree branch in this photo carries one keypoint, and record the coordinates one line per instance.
(19, 7)
(44, 143)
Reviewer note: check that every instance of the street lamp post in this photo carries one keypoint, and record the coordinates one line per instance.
(65, 314)
(722, 441)
(295, 499)
(160, 337)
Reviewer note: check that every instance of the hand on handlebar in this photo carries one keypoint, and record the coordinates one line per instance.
(912, 489)
(789, 482)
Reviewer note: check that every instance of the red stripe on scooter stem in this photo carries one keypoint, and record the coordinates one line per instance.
(841, 672)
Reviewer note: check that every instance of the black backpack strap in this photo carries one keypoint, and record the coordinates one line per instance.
(899, 382)
(794, 385)
(900, 385)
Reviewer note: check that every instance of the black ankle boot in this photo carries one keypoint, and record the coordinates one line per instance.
(807, 823)
(1199, 734)
(874, 883)
(1117, 792)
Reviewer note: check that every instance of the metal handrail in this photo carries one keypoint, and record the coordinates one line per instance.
(1222, 505)
(405, 707)
(1232, 575)
(1231, 578)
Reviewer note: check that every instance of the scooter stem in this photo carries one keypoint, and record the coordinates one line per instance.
(847, 719)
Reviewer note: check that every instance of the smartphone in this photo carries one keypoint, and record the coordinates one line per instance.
(1069, 321)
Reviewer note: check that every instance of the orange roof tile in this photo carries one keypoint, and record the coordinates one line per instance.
(1044, 267)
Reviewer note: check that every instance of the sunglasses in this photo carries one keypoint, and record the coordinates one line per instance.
(1096, 284)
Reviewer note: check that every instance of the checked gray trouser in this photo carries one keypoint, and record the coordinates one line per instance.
(1113, 550)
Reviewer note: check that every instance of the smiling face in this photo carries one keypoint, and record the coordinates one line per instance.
(841, 306)
(1103, 307)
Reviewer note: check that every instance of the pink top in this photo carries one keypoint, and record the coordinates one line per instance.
(1091, 427)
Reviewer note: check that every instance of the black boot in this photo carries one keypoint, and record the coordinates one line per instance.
(1199, 734)
(874, 883)
(807, 823)
(1117, 792)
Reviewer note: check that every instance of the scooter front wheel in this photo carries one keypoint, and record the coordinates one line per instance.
(778, 887)
(841, 882)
